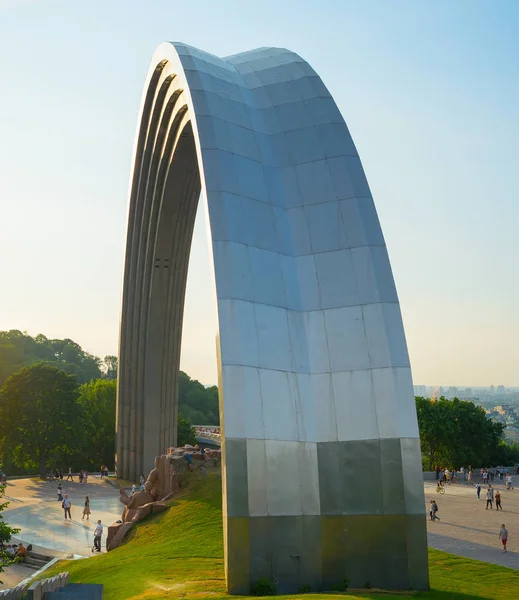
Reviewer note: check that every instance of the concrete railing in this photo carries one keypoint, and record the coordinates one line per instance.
(36, 590)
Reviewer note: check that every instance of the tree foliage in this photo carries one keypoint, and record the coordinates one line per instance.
(18, 350)
(97, 400)
(455, 433)
(197, 403)
(58, 405)
(38, 414)
(110, 363)
(185, 433)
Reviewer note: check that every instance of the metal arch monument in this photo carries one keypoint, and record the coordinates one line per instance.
(322, 475)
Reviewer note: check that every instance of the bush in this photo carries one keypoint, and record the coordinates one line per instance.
(264, 587)
(305, 589)
(342, 587)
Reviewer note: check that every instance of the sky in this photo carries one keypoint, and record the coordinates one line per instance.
(430, 92)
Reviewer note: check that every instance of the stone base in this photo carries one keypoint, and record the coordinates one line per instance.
(386, 551)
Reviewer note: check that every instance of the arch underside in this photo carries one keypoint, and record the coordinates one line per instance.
(314, 377)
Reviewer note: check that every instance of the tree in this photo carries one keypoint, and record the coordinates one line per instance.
(19, 349)
(6, 533)
(185, 433)
(197, 403)
(455, 433)
(110, 363)
(98, 400)
(38, 414)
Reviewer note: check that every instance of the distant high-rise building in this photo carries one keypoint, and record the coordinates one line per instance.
(419, 390)
(501, 389)
(492, 389)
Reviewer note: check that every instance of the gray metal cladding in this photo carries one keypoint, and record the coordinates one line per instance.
(322, 468)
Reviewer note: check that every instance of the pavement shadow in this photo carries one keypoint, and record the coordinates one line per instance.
(490, 554)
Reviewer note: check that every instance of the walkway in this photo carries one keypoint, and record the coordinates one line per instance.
(34, 508)
(466, 528)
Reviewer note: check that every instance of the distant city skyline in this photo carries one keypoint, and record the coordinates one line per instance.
(428, 91)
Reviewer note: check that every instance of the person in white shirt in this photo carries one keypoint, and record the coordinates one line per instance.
(66, 504)
(97, 536)
(134, 488)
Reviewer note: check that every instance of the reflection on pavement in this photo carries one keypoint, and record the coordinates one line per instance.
(34, 509)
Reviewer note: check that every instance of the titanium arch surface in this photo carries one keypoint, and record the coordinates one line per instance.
(321, 461)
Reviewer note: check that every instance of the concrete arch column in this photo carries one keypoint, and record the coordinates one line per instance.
(314, 376)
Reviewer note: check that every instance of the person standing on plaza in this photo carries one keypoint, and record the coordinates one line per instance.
(431, 514)
(435, 511)
(478, 490)
(503, 536)
(490, 496)
(98, 533)
(509, 485)
(86, 510)
(61, 474)
(498, 500)
(66, 504)
(70, 477)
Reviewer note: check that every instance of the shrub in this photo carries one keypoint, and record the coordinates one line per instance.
(305, 589)
(264, 587)
(343, 586)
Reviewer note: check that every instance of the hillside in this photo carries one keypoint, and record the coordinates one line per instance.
(179, 554)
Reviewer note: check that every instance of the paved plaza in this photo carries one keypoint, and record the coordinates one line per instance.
(35, 509)
(466, 528)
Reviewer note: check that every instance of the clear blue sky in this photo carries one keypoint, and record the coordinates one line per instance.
(429, 89)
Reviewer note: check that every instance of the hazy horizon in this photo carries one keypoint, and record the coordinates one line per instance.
(429, 92)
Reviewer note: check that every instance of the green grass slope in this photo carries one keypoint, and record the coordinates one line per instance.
(179, 554)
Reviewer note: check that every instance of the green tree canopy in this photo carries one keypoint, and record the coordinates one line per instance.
(38, 415)
(185, 433)
(98, 400)
(18, 350)
(199, 404)
(455, 433)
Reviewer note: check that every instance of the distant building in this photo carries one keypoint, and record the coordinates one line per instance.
(419, 390)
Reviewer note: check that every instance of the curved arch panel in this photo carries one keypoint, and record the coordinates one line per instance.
(321, 458)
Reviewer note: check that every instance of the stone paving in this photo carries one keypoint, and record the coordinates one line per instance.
(466, 528)
(34, 508)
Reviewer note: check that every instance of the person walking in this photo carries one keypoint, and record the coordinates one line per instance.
(503, 536)
(86, 510)
(497, 498)
(70, 477)
(478, 491)
(60, 496)
(61, 474)
(97, 536)
(435, 510)
(490, 497)
(66, 504)
(431, 514)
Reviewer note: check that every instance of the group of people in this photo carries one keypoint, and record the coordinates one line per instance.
(492, 495)
(58, 475)
(66, 505)
(17, 550)
(142, 480)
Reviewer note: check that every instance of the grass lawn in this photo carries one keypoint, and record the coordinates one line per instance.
(179, 554)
